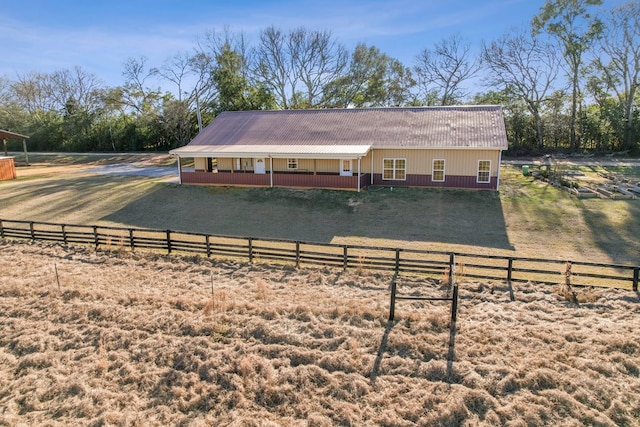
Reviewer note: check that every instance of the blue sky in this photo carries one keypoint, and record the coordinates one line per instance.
(98, 36)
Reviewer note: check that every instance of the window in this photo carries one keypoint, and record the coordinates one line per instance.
(438, 171)
(394, 169)
(292, 163)
(484, 171)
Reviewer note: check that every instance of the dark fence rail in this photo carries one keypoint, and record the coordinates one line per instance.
(423, 262)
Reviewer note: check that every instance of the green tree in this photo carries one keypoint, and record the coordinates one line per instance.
(555, 118)
(234, 92)
(518, 122)
(574, 27)
(372, 80)
(141, 104)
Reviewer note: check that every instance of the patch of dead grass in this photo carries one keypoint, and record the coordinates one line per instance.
(135, 339)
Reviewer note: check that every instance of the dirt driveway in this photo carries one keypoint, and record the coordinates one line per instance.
(124, 164)
(573, 161)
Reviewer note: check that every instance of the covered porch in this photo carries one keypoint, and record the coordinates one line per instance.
(331, 167)
(5, 134)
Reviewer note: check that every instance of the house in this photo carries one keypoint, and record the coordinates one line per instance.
(456, 147)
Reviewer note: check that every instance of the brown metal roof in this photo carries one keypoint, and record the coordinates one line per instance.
(5, 134)
(480, 127)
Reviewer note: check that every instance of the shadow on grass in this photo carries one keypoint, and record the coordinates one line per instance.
(79, 199)
(426, 215)
(381, 350)
(451, 355)
(618, 240)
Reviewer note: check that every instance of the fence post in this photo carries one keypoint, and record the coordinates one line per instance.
(636, 277)
(95, 236)
(250, 240)
(397, 268)
(509, 277)
(297, 253)
(345, 258)
(132, 244)
(392, 305)
(452, 268)
(454, 306)
(452, 329)
(1, 229)
(206, 237)
(64, 234)
(168, 241)
(33, 233)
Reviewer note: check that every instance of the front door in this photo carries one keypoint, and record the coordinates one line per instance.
(259, 166)
(346, 167)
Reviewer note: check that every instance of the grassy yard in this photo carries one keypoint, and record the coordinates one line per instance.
(526, 218)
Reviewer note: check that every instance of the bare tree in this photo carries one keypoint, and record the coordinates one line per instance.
(274, 65)
(81, 86)
(32, 93)
(296, 66)
(135, 92)
(619, 69)
(42, 94)
(175, 118)
(176, 70)
(442, 70)
(317, 59)
(523, 65)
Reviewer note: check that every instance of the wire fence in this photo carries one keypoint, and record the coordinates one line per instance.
(431, 264)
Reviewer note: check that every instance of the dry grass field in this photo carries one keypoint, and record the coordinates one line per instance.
(115, 338)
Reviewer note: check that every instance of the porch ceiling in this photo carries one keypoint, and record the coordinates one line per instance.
(274, 151)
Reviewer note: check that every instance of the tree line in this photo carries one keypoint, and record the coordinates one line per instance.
(568, 82)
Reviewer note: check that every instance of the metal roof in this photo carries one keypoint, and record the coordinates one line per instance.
(5, 134)
(329, 132)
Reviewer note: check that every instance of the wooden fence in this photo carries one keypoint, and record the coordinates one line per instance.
(434, 264)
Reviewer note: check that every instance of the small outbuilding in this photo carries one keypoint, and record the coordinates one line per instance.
(7, 164)
(455, 147)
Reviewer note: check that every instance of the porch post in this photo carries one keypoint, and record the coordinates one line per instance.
(4, 146)
(372, 166)
(498, 177)
(179, 171)
(358, 174)
(270, 171)
(26, 154)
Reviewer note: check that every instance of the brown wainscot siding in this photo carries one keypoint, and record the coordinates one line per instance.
(226, 178)
(320, 181)
(451, 181)
(279, 179)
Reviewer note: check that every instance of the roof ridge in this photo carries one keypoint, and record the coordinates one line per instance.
(360, 109)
